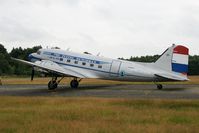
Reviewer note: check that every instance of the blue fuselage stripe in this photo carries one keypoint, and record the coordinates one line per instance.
(181, 68)
(76, 66)
(74, 58)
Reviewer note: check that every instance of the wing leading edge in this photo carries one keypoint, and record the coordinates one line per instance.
(52, 67)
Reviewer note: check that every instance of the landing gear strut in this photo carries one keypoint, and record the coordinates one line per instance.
(74, 83)
(52, 85)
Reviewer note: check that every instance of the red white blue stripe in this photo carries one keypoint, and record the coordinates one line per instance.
(180, 59)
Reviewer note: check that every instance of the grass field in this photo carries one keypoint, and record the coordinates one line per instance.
(97, 115)
(10, 80)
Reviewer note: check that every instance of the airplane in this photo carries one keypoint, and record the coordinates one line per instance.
(172, 65)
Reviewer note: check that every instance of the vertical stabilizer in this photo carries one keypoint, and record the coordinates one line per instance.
(164, 62)
(174, 59)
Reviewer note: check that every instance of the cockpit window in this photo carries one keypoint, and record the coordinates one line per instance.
(38, 52)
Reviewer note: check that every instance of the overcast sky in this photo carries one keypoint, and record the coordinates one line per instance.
(115, 28)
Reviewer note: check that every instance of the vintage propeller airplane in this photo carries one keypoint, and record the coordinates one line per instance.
(171, 66)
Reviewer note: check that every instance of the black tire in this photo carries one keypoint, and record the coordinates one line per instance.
(52, 85)
(159, 86)
(74, 84)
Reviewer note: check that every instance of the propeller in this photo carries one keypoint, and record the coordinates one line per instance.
(33, 73)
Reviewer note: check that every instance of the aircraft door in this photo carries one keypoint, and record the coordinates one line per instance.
(115, 67)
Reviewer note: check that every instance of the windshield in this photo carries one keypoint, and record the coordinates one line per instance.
(38, 52)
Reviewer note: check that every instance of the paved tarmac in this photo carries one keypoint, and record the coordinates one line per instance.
(106, 91)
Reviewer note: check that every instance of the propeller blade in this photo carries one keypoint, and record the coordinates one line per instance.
(32, 74)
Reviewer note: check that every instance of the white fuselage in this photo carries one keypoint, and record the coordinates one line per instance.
(98, 67)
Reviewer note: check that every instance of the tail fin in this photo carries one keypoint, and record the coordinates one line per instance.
(174, 59)
(180, 60)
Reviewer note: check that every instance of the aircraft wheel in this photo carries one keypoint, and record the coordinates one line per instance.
(159, 86)
(52, 85)
(74, 84)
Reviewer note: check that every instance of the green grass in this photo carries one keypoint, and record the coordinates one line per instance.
(88, 115)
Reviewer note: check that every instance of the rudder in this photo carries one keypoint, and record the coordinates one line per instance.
(180, 59)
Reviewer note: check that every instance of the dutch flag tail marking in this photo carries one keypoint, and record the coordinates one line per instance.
(180, 59)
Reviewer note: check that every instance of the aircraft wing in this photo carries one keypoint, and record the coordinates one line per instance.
(51, 66)
(171, 76)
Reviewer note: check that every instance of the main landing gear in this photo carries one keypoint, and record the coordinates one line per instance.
(52, 85)
(74, 83)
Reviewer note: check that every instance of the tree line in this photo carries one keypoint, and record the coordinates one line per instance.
(11, 67)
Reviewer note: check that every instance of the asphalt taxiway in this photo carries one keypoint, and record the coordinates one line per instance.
(177, 91)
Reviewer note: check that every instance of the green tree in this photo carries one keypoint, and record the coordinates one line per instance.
(19, 68)
(194, 65)
(5, 67)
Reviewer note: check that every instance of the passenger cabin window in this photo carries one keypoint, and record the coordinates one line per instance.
(61, 59)
(68, 60)
(76, 62)
(99, 66)
(83, 63)
(92, 65)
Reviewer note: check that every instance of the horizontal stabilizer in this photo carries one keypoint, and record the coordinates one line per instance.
(171, 76)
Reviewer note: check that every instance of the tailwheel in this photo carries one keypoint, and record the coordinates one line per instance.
(159, 86)
(74, 83)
